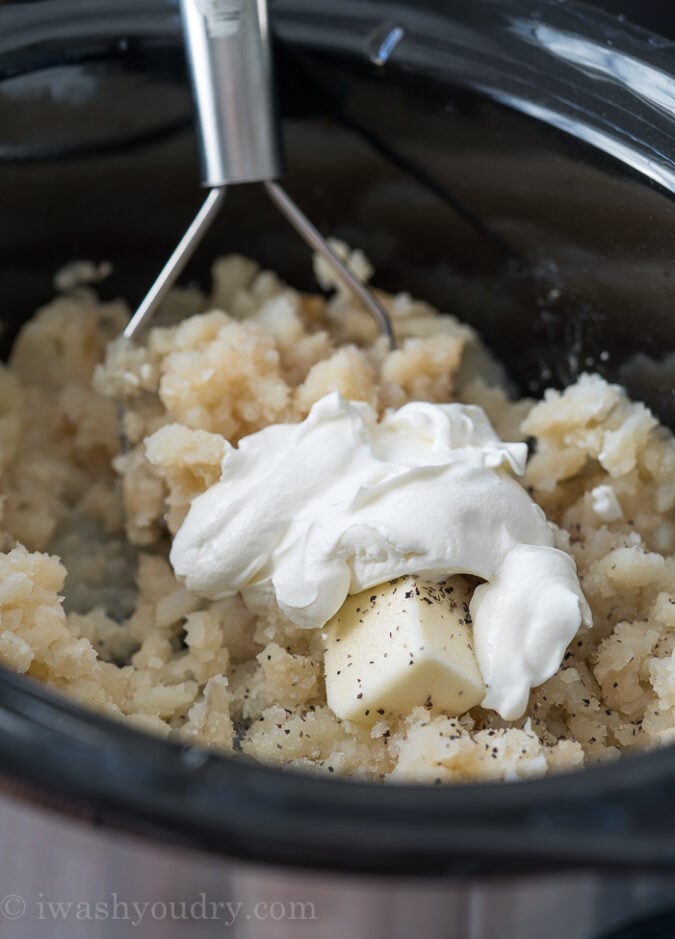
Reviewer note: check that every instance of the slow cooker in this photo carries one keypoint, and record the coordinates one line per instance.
(510, 161)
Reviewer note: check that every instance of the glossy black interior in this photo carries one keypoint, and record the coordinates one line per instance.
(460, 167)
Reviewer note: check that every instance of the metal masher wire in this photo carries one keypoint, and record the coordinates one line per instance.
(174, 267)
(228, 48)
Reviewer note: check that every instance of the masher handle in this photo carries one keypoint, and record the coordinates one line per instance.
(229, 55)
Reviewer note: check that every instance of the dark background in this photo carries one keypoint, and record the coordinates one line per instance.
(657, 15)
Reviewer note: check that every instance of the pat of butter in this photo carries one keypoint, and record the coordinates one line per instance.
(399, 645)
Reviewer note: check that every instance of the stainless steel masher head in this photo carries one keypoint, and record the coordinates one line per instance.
(229, 56)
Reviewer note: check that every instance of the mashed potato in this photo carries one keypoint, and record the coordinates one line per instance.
(85, 522)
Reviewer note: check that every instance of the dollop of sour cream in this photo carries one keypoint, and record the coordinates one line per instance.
(314, 511)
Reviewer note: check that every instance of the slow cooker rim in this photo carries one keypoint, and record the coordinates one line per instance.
(627, 72)
(444, 840)
(282, 816)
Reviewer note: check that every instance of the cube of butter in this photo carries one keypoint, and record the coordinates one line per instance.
(400, 645)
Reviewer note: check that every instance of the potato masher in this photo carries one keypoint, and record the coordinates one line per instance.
(229, 55)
